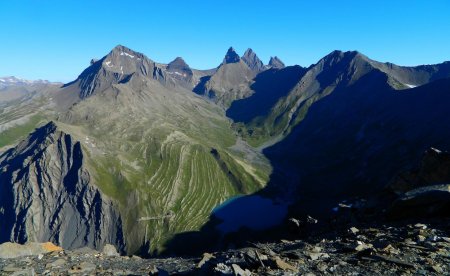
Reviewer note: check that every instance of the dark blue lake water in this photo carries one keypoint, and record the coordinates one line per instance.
(254, 212)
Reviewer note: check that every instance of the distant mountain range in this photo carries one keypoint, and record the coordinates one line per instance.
(11, 80)
(136, 152)
(13, 88)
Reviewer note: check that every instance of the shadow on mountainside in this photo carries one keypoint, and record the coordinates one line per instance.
(350, 144)
(269, 87)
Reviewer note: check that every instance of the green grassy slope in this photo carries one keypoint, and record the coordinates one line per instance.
(168, 165)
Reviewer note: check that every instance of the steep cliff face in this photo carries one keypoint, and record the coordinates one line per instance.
(47, 194)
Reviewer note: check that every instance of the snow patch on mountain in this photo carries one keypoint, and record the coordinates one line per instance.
(126, 54)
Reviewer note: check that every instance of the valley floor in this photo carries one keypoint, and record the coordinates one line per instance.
(407, 248)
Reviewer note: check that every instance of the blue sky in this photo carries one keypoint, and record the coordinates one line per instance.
(55, 40)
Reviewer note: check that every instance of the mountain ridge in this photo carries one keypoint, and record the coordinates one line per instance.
(167, 143)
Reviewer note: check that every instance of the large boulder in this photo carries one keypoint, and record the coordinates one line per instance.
(422, 202)
(10, 250)
(434, 169)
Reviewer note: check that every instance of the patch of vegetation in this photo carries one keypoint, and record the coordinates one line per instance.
(16, 133)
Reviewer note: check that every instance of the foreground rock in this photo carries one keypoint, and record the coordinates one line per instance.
(425, 201)
(423, 191)
(406, 248)
(13, 250)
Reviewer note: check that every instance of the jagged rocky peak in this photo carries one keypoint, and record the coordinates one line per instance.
(118, 66)
(252, 60)
(275, 62)
(178, 63)
(126, 61)
(179, 69)
(231, 56)
(121, 50)
(44, 181)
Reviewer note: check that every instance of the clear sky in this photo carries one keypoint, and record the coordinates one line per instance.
(55, 40)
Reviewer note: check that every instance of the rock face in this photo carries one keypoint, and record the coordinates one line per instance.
(118, 66)
(180, 70)
(424, 191)
(275, 62)
(231, 56)
(252, 60)
(46, 194)
(434, 169)
(231, 81)
(422, 202)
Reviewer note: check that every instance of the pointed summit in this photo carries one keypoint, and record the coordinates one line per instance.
(179, 69)
(231, 56)
(120, 49)
(122, 54)
(252, 60)
(178, 64)
(117, 66)
(275, 62)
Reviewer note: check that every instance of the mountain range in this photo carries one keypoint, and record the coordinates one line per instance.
(137, 152)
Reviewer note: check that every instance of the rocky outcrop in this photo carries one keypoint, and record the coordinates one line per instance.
(275, 62)
(434, 169)
(231, 56)
(424, 191)
(47, 194)
(230, 82)
(180, 70)
(422, 202)
(252, 60)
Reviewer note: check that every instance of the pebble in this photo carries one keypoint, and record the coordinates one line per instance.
(57, 263)
(421, 226)
(205, 259)
(238, 271)
(354, 230)
(223, 268)
(362, 246)
(284, 266)
(438, 269)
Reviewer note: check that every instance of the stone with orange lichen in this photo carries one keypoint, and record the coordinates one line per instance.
(50, 247)
(15, 250)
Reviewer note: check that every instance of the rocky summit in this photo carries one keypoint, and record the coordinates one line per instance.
(253, 61)
(231, 56)
(275, 62)
(138, 167)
